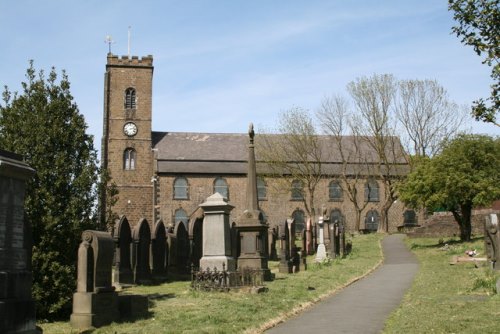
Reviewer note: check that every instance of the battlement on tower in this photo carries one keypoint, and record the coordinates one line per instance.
(114, 60)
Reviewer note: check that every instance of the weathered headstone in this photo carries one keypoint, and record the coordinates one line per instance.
(159, 252)
(309, 237)
(122, 236)
(181, 248)
(251, 226)
(196, 237)
(141, 237)
(285, 265)
(17, 308)
(95, 303)
(216, 235)
(492, 240)
(272, 239)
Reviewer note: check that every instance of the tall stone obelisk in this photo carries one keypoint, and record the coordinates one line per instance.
(251, 225)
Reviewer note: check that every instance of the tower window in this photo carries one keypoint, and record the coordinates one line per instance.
(181, 188)
(130, 98)
(129, 159)
(220, 186)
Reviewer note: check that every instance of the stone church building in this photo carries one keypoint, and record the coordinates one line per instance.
(167, 175)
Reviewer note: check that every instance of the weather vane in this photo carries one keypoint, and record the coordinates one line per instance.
(110, 41)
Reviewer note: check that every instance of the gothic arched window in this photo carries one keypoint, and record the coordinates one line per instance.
(180, 188)
(181, 216)
(129, 159)
(297, 190)
(335, 191)
(130, 98)
(220, 186)
(371, 191)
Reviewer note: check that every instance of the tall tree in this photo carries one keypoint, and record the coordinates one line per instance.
(337, 120)
(464, 175)
(293, 156)
(427, 115)
(44, 125)
(479, 26)
(373, 98)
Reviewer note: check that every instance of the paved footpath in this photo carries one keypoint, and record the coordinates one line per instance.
(363, 306)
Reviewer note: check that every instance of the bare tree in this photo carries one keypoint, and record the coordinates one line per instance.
(427, 115)
(373, 98)
(292, 153)
(337, 121)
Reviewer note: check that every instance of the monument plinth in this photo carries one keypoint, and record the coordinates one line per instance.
(216, 235)
(17, 308)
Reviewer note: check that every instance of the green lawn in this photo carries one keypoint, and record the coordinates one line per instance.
(175, 308)
(448, 298)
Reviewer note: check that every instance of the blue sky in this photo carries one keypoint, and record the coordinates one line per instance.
(222, 64)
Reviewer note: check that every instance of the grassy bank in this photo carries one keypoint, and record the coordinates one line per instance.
(175, 308)
(447, 298)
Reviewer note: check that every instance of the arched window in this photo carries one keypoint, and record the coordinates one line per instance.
(335, 191)
(181, 216)
(220, 186)
(371, 221)
(336, 216)
(299, 220)
(129, 159)
(180, 188)
(130, 98)
(261, 189)
(371, 191)
(297, 190)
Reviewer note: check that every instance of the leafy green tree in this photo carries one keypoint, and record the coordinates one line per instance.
(44, 125)
(464, 175)
(479, 26)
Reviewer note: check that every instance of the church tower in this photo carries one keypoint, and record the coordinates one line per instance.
(126, 141)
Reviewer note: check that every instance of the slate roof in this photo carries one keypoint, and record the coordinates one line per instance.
(226, 153)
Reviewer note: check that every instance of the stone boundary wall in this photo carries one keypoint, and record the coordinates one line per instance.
(442, 224)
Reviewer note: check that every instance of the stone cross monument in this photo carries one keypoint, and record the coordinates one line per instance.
(251, 225)
(321, 252)
(17, 308)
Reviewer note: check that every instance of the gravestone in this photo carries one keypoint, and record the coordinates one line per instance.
(492, 240)
(196, 237)
(17, 308)
(285, 265)
(272, 239)
(309, 249)
(334, 239)
(95, 302)
(122, 236)
(321, 251)
(141, 237)
(159, 252)
(217, 235)
(181, 248)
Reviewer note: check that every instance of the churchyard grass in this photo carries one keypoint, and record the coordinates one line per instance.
(175, 308)
(448, 298)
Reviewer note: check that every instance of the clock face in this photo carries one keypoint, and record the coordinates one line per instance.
(130, 129)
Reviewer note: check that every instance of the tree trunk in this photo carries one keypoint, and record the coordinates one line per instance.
(357, 223)
(383, 226)
(463, 218)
